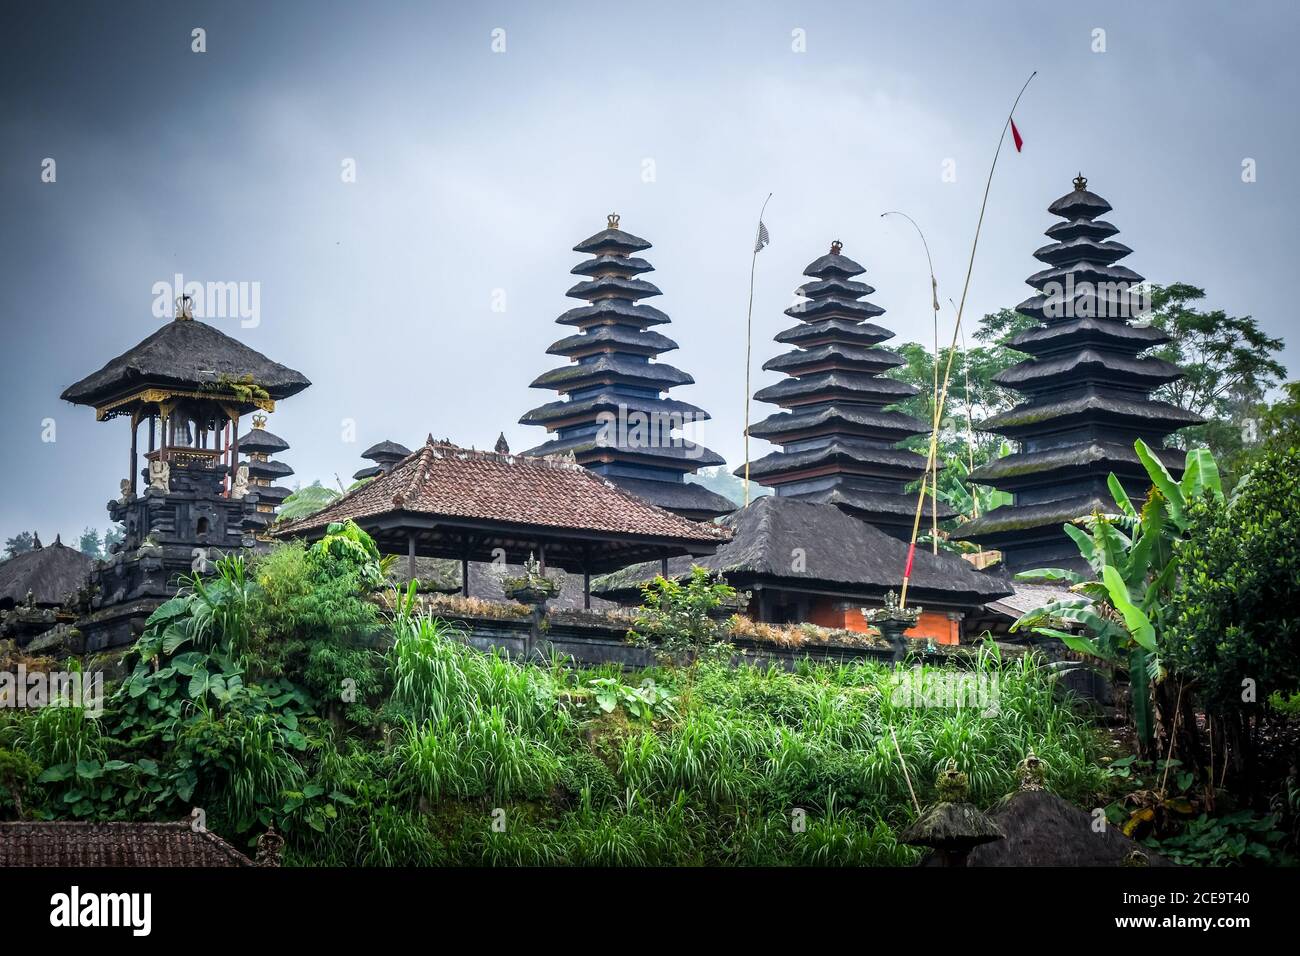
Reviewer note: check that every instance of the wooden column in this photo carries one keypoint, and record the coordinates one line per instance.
(410, 555)
(135, 457)
(586, 589)
(663, 568)
(541, 557)
(464, 570)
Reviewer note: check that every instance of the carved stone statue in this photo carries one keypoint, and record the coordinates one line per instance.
(240, 487)
(125, 486)
(160, 474)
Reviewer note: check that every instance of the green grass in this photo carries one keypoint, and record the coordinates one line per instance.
(453, 756)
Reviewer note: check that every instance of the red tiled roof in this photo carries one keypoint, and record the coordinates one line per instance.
(443, 480)
(81, 843)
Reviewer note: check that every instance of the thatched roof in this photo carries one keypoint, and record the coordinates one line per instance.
(840, 553)
(1044, 830)
(50, 573)
(79, 843)
(185, 353)
(952, 826)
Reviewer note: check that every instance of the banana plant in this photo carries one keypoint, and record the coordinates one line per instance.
(1115, 614)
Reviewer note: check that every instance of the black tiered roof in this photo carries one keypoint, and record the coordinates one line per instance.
(385, 455)
(1087, 390)
(839, 436)
(612, 372)
(263, 473)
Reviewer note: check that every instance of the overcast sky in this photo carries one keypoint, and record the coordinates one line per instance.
(477, 171)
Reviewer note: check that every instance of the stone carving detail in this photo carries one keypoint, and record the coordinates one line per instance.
(160, 474)
(240, 488)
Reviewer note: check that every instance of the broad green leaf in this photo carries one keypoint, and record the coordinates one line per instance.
(1087, 548)
(1048, 575)
(1120, 495)
(1140, 694)
(1161, 478)
(174, 636)
(1139, 625)
(56, 774)
(1112, 544)
(1201, 474)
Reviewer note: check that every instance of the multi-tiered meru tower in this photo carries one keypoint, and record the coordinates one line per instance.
(263, 472)
(1088, 393)
(839, 440)
(613, 415)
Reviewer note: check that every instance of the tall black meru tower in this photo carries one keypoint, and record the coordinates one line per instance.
(1088, 394)
(613, 415)
(839, 437)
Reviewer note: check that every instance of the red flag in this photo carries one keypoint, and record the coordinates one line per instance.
(1015, 135)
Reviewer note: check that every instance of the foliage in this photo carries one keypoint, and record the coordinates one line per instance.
(1235, 602)
(1232, 839)
(681, 620)
(1228, 364)
(972, 396)
(471, 758)
(242, 387)
(1119, 611)
(20, 543)
(306, 501)
(646, 701)
(89, 544)
(719, 478)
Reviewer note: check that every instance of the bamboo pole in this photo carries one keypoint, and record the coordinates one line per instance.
(961, 308)
(749, 337)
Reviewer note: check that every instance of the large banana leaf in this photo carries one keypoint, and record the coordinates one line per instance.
(1201, 475)
(1161, 478)
(1138, 624)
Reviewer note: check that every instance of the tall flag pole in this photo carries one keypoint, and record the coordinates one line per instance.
(761, 239)
(961, 308)
(932, 474)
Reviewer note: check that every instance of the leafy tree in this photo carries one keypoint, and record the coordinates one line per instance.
(113, 536)
(1000, 327)
(719, 479)
(1235, 625)
(20, 543)
(1278, 428)
(680, 620)
(307, 501)
(1228, 365)
(89, 543)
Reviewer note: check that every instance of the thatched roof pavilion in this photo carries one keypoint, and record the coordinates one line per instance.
(48, 573)
(798, 558)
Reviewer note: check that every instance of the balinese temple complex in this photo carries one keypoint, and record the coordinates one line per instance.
(186, 386)
(1087, 389)
(262, 472)
(839, 440)
(608, 493)
(613, 415)
(833, 540)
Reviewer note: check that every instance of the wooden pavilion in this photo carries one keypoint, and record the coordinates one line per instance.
(443, 501)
